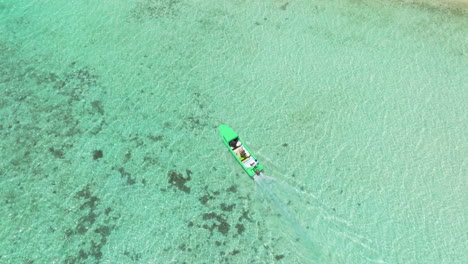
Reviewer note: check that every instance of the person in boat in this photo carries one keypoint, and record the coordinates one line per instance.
(235, 143)
(242, 154)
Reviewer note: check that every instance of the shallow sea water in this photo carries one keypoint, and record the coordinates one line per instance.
(110, 151)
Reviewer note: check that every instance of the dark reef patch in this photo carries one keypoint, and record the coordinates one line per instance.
(89, 205)
(97, 128)
(97, 154)
(76, 83)
(155, 138)
(167, 125)
(198, 118)
(194, 122)
(149, 161)
(211, 215)
(136, 140)
(58, 153)
(205, 198)
(183, 247)
(178, 180)
(56, 121)
(44, 113)
(209, 227)
(108, 210)
(227, 208)
(279, 257)
(84, 193)
(456, 9)
(155, 9)
(132, 255)
(245, 215)
(232, 189)
(284, 6)
(90, 250)
(127, 175)
(128, 156)
(240, 229)
(222, 225)
(97, 107)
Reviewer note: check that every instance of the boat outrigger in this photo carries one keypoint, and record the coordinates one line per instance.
(240, 151)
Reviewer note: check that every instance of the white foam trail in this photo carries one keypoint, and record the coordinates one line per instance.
(272, 192)
(278, 196)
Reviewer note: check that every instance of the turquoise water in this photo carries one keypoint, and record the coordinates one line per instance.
(110, 151)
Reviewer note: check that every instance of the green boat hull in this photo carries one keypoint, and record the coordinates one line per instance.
(241, 152)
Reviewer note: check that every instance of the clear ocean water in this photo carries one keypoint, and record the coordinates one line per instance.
(110, 151)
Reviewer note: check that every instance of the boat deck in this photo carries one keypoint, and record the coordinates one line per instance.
(249, 162)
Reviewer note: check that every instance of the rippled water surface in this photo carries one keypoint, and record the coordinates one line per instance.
(110, 151)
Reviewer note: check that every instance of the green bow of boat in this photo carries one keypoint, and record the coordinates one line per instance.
(240, 151)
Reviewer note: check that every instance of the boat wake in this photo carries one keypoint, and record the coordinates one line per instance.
(306, 226)
(276, 198)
